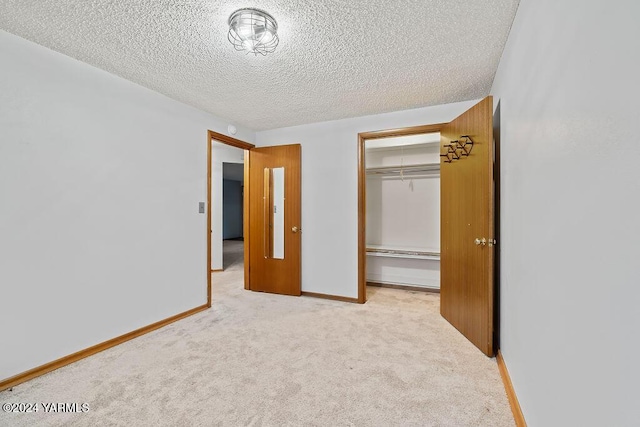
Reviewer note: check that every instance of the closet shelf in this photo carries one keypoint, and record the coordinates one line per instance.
(403, 253)
(405, 170)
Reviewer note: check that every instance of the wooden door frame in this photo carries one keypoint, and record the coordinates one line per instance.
(228, 140)
(362, 205)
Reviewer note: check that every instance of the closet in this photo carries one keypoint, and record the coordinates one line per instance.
(403, 211)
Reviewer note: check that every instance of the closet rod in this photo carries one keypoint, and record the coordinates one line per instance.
(403, 253)
(425, 167)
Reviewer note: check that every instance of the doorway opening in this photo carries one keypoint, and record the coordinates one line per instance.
(271, 214)
(403, 212)
(233, 214)
(382, 152)
(221, 150)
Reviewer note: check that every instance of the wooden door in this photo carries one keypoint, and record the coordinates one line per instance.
(467, 225)
(274, 246)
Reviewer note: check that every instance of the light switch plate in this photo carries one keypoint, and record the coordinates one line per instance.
(201, 207)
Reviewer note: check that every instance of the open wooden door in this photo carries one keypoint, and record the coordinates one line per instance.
(274, 219)
(467, 224)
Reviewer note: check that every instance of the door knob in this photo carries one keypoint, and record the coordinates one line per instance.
(480, 242)
(294, 229)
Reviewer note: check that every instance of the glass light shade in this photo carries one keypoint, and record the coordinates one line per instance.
(253, 31)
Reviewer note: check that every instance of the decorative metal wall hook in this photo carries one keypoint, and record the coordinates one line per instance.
(458, 148)
(453, 149)
(466, 144)
(448, 158)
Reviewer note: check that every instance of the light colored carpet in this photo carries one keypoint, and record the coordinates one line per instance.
(262, 359)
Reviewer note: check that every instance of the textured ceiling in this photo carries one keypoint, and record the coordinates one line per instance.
(336, 58)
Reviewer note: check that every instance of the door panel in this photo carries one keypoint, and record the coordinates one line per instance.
(467, 214)
(274, 207)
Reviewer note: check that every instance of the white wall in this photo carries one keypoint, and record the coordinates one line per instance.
(220, 153)
(404, 212)
(330, 190)
(100, 181)
(423, 273)
(568, 91)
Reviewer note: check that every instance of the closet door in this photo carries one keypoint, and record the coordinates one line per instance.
(467, 225)
(274, 219)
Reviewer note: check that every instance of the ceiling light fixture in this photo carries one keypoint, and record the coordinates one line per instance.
(253, 30)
